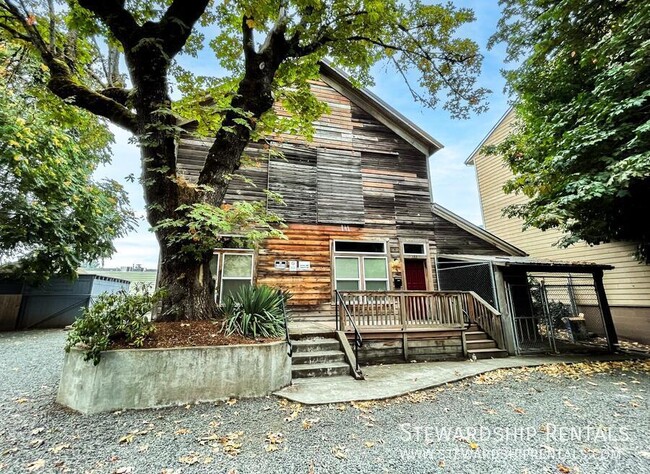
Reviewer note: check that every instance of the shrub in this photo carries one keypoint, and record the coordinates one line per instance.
(114, 316)
(255, 311)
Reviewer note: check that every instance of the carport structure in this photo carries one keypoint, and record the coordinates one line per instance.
(545, 306)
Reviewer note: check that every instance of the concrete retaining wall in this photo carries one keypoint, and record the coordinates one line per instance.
(149, 378)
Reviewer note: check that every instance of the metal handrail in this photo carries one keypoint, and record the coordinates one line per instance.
(358, 340)
(286, 330)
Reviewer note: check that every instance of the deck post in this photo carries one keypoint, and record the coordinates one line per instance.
(610, 329)
(459, 311)
(405, 346)
(402, 310)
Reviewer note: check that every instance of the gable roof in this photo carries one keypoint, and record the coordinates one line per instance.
(380, 110)
(477, 231)
(470, 159)
(369, 102)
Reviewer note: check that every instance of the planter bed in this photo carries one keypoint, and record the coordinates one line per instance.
(150, 378)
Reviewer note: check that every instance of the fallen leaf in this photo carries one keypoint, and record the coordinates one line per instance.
(124, 470)
(369, 444)
(182, 431)
(441, 463)
(126, 439)
(308, 423)
(231, 401)
(570, 405)
(60, 447)
(22, 400)
(272, 441)
(339, 452)
(563, 469)
(189, 459)
(35, 465)
(231, 444)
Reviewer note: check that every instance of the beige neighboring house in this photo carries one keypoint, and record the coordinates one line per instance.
(627, 286)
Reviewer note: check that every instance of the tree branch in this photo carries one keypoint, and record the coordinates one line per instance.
(119, 20)
(118, 94)
(62, 84)
(177, 23)
(248, 39)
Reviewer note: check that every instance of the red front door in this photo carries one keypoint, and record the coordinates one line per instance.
(415, 275)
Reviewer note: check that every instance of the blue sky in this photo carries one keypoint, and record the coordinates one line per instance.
(454, 183)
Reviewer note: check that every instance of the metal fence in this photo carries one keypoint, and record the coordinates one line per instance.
(476, 277)
(557, 313)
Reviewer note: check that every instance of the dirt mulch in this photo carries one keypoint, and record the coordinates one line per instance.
(190, 334)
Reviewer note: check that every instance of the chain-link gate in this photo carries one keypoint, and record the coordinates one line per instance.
(476, 277)
(557, 313)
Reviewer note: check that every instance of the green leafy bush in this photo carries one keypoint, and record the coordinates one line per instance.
(255, 311)
(114, 316)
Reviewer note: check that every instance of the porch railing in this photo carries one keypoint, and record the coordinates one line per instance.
(484, 315)
(343, 317)
(400, 309)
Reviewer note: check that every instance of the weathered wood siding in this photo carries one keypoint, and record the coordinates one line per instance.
(312, 288)
(356, 180)
(355, 171)
(396, 347)
(628, 285)
(451, 239)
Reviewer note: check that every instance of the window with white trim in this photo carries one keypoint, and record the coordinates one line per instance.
(236, 271)
(412, 248)
(360, 272)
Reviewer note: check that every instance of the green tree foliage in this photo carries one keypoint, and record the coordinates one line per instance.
(266, 52)
(53, 215)
(581, 149)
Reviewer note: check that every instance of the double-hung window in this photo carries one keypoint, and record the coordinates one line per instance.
(360, 266)
(236, 272)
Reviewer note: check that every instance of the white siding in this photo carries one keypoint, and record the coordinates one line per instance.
(627, 285)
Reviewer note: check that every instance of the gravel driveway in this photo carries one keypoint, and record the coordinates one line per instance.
(516, 421)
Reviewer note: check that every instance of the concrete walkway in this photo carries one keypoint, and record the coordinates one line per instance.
(388, 381)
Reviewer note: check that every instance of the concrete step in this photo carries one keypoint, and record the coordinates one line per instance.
(317, 357)
(481, 344)
(475, 335)
(487, 353)
(315, 345)
(320, 370)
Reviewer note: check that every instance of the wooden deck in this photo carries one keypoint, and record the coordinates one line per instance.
(415, 325)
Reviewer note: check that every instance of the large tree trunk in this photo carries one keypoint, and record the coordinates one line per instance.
(184, 276)
(188, 285)
(185, 273)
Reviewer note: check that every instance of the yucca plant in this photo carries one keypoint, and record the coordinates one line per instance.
(255, 311)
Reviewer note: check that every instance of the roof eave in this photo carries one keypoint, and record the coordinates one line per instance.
(381, 110)
(470, 159)
(476, 230)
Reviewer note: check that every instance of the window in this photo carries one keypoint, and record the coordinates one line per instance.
(359, 247)
(360, 272)
(414, 249)
(237, 271)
